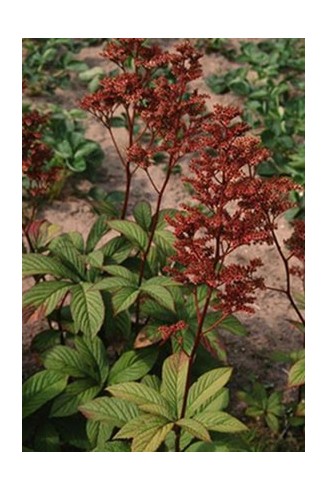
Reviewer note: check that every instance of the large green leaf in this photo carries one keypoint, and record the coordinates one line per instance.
(98, 230)
(151, 439)
(165, 239)
(195, 428)
(111, 284)
(66, 361)
(139, 424)
(34, 264)
(98, 433)
(205, 387)
(174, 378)
(40, 388)
(94, 353)
(296, 375)
(117, 249)
(220, 421)
(161, 281)
(140, 394)
(132, 231)
(64, 249)
(120, 271)
(76, 394)
(110, 410)
(159, 294)
(132, 365)
(87, 309)
(124, 298)
(142, 214)
(47, 294)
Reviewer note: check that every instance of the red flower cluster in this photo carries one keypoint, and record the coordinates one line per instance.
(296, 245)
(167, 331)
(152, 89)
(236, 208)
(36, 156)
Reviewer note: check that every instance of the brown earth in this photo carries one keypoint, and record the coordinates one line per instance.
(269, 328)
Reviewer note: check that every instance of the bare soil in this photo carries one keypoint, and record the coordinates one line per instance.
(269, 329)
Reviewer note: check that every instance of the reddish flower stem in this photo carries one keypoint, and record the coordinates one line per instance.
(287, 291)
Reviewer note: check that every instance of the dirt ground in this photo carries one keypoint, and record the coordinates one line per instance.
(269, 328)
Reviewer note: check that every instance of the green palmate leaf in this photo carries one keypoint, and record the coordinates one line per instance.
(110, 410)
(159, 294)
(111, 284)
(117, 249)
(158, 312)
(124, 298)
(66, 361)
(76, 394)
(46, 294)
(69, 255)
(220, 421)
(195, 428)
(204, 389)
(296, 375)
(41, 388)
(140, 394)
(152, 381)
(151, 439)
(95, 258)
(98, 230)
(34, 264)
(132, 366)
(77, 240)
(94, 353)
(142, 214)
(233, 325)
(215, 346)
(140, 424)
(120, 271)
(272, 422)
(161, 281)
(165, 239)
(87, 308)
(113, 447)
(219, 401)
(132, 231)
(98, 433)
(175, 371)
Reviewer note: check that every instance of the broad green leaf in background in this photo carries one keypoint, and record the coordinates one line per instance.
(40, 388)
(67, 361)
(76, 394)
(296, 375)
(220, 421)
(47, 294)
(142, 214)
(124, 298)
(175, 370)
(87, 309)
(110, 410)
(205, 387)
(98, 230)
(132, 231)
(159, 294)
(34, 264)
(195, 428)
(132, 365)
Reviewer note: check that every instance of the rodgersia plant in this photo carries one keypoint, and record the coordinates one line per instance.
(152, 298)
